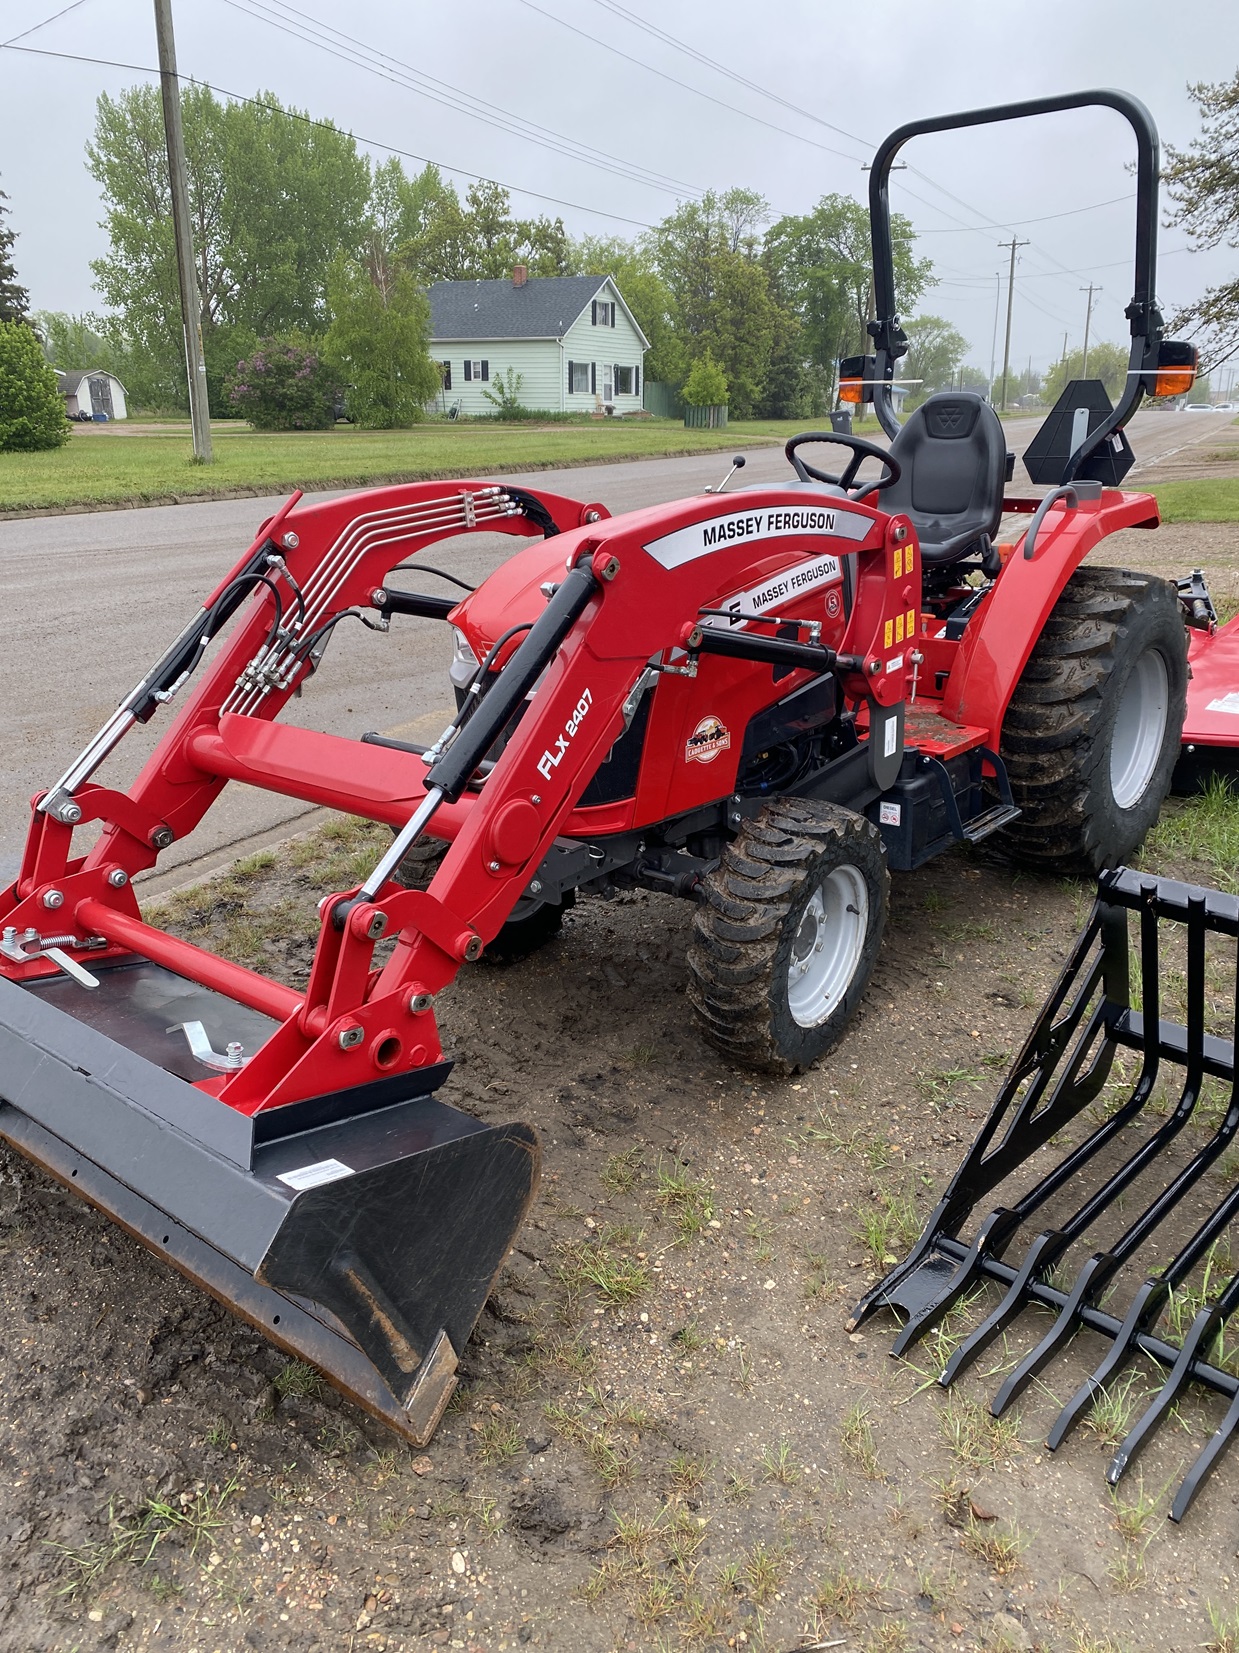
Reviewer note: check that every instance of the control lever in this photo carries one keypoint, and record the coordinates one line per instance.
(737, 464)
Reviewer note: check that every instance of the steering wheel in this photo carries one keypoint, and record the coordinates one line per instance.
(861, 450)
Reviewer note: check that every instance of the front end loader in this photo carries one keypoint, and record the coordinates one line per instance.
(757, 701)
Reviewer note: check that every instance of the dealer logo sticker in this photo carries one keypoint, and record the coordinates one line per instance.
(707, 740)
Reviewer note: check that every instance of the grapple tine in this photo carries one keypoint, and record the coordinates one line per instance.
(1064, 1070)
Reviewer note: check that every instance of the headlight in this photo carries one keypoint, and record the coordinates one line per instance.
(464, 661)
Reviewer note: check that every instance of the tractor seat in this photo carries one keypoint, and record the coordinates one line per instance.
(954, 457)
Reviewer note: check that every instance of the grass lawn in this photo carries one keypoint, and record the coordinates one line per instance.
(1216, 500)
(112, 468)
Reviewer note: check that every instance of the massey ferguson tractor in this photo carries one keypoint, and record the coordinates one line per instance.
(756, 700)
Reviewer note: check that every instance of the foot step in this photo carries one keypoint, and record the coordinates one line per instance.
(989, 820)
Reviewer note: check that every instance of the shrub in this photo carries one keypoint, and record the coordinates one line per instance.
(706, 385)
(505, 396)
(378, 343)
(283, 385)
(32, 410)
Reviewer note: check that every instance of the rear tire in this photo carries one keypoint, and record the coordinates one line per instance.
(786, 940)
(1092, 734)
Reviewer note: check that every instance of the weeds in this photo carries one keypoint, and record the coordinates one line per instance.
(622, 1172)
(978, 1440)
(1203, 829)
(764, 1570)
(296, 1378)
(779, 1464)
(597, 1262)
(191, 1522)
(841, 1595)
(888, 1226)
(1134, 1517)
(686, 1200)
(686, 1475)
(1225, 1626)
(1126, 1571)
(818, 1280)
(690, 1337)
(997, 1546)
(856, 1437)
(941, 1089)
(498, 1441)
(1109, 1417)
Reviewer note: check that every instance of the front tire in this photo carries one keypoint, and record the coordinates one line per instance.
(1092, 734)
(788, 935)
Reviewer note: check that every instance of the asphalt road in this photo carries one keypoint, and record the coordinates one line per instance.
(91, 600)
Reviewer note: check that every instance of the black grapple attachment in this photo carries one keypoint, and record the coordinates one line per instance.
(1107, 1147)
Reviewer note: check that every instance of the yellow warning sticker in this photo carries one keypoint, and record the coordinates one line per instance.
(899, 562)
(907, 561)
(910, 629)
(890, 633)
(899, 629)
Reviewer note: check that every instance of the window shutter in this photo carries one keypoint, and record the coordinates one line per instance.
(593, 313)
(468, 370)
(485, 371)
(612, 312)
(593, 378)
(571, 365)
(636, 381)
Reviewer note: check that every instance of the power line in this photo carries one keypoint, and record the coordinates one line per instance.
(684, 86)
(330, 126)
(349, 49)
(1022, 223)
(63, 12)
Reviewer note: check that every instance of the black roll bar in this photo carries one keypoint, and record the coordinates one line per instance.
(891, 342)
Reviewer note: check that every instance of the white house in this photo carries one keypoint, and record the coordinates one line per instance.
(87, 394)
(572, 340)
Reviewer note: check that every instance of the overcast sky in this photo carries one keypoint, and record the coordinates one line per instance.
(599, 73)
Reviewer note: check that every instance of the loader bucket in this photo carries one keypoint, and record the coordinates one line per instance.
(1117, 1234)
(360, 1231)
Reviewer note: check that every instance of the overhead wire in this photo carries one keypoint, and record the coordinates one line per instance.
(330, 126)
(35, 27)
(349, 49)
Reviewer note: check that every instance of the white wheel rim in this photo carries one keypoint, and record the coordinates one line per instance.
(1139, 729)
(828, 946)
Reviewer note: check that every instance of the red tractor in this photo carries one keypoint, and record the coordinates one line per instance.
(757, 701)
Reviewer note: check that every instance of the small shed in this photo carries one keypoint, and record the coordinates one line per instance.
(90, 394)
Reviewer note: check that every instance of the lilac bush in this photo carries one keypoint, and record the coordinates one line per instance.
(283, 385)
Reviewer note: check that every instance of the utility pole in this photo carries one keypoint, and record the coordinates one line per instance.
(1006, 353)
(191, 304)
(1088, 317)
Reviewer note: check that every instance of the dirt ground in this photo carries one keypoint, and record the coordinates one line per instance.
(665, 1437)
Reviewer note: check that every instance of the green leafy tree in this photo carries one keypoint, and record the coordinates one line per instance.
(935, 350)
(32, 410)
(75, 343)
(273, 199)
(1107, 362)
(504, 395)
(706, 253)
(14, 299)
(706, 385)
(820, 266)
(1203, 182)
(283, 385)
(644, 292)
(481, 240)
(789, 385)
(377, 342)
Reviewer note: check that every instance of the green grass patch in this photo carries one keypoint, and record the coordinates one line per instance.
(1198, 836)
(111, 468)
(1214, 501)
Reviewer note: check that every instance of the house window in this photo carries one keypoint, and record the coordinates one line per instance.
(578, 378)
(603, 313)
(477, 370)
(625, 381)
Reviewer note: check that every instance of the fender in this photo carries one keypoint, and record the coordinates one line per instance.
(1001, 637)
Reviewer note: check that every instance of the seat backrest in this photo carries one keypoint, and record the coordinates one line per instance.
(954, 457)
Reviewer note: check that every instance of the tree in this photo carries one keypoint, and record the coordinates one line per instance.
(481, 241)
(377, 343)
(1107, 362)
(788, 392)
(706, 386)
(14, 299)
(721, 302)
(820, 266)
(274, 197)
(32, 410)
(644, 292)
(935, 350)
(1203, 181)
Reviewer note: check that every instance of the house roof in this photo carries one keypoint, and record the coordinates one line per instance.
(69, 382)
(545, 307)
